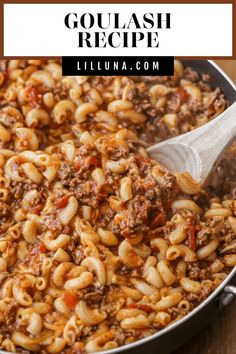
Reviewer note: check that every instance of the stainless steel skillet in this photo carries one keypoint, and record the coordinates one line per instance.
(170, 338)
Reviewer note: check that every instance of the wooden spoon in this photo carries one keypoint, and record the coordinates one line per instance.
(199, 151)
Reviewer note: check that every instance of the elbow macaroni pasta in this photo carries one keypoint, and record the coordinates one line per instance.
(101, 245)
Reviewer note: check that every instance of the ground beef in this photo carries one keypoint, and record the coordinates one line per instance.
(140, 208)
(50, 222)
(115, 153)
(10, 313)
(93, 298)
(88, 192)
(9, 120)
(204, 86)
(77, 348)
(196, 271)
(203, 236)
(135, 217)
(148, 184)
(65, 173)
(191, 75)
(219, 102)
(4, 209)
(119, 337)
(195, 106)
(60, 90)
(18, 189)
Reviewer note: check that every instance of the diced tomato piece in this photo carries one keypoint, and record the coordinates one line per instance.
(198, 227)
(62, 202)
(42, 248)
(142, 161)
(40, 89)
(154, 249)
(132, 306)
(70, 299)
(95, 214)
(102, 194)
(159, 220)
(142, 307)
(77, 347)
(37, 209)
(91, 161)
(192, 238)
(67, 229)
(77, 165)
(182, 94)
(145, 308)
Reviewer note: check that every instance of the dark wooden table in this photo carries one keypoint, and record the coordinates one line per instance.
(229, 66)
(217, 338)
(220, 336)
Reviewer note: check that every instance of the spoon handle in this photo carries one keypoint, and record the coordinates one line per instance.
(211, 140)
(227, 121)
(221, 128)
